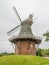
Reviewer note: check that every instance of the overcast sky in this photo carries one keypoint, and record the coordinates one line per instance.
(8, 19)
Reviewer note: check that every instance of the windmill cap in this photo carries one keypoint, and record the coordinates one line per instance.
(31, 15)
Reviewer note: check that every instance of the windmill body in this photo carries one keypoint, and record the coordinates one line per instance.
(25, 41)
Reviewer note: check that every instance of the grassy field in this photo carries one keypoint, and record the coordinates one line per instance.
(23, 60)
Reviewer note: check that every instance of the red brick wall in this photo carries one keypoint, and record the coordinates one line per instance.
(25, 47)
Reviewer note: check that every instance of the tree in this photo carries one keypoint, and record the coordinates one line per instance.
(47, 36)
(39, 52)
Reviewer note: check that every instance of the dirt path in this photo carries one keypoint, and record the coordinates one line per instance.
(46, 57)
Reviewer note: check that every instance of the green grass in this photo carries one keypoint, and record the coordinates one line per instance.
(23, 60)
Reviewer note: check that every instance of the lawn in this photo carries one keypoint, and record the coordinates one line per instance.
(23, 60)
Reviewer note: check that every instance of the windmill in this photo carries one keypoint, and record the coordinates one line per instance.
(25, 41)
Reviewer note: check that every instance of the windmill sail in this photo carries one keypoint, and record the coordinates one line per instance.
(13, 30)
(17, 14)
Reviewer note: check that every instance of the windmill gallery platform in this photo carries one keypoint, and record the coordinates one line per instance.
(25, 41)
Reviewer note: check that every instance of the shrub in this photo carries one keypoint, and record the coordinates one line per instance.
(39, 52)
(1, 55)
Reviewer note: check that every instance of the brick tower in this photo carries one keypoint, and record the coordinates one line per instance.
(25, 41)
